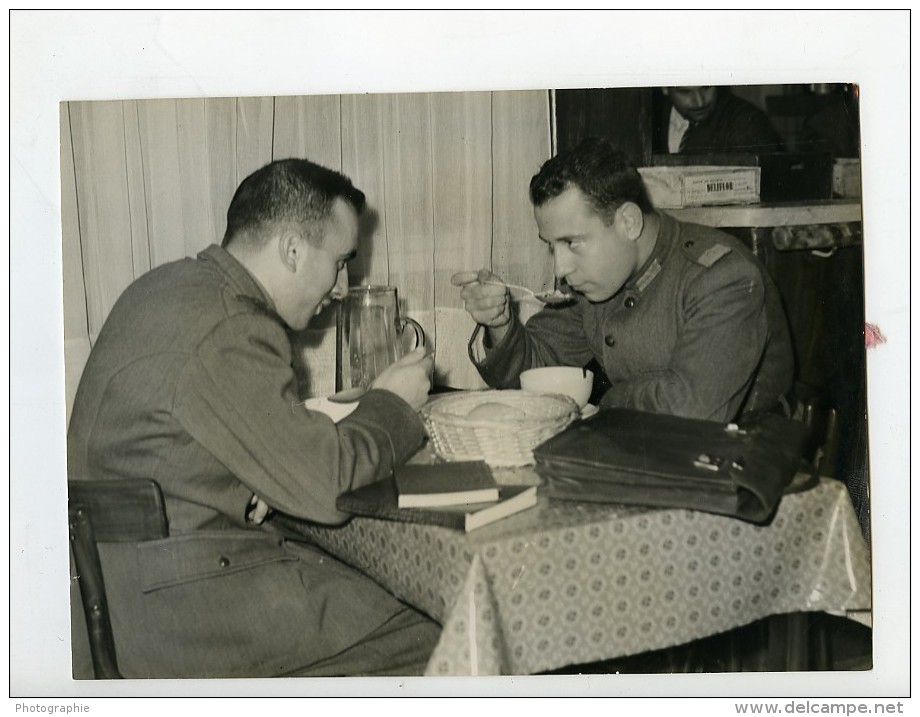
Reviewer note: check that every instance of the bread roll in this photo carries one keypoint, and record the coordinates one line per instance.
(496, 412)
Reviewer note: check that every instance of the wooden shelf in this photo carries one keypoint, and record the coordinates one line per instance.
(780, 214)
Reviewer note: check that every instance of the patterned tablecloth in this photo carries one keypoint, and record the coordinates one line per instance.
(568, 583)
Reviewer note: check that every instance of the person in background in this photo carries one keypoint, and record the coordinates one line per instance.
(710, 120)
(191, 384)
(682, 318)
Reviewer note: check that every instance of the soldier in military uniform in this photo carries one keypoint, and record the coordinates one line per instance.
(682, 318)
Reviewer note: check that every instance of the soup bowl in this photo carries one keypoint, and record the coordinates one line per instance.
(568, 380)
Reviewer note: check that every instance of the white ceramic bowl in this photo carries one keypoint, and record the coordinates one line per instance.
(568, 380)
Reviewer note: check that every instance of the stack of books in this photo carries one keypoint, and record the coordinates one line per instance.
(460, 495)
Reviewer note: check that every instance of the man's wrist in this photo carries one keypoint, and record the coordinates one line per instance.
(485, 339)
(493, 335)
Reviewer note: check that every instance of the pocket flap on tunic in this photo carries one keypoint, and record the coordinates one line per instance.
(185, 558)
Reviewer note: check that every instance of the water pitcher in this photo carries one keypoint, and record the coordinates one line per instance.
(371, 335)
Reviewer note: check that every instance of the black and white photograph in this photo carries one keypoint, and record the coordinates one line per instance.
(576, 377)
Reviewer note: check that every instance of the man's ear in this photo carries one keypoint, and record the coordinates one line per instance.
(631, 220)
(290, 249)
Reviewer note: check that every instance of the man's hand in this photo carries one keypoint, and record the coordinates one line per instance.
(409, 378)
(257, 511)
(485, 297)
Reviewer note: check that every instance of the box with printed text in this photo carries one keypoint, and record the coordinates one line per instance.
(697, 186)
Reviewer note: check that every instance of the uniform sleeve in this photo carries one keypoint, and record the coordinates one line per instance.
(237, 398)
(552, 337)
(720, 345)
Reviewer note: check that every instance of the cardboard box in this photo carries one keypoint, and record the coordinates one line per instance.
(784, 176)
(697, 186)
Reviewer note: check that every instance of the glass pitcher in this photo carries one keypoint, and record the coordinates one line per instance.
(371, 335)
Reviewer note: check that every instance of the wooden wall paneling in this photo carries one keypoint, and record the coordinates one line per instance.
(74, 292)
(363, 160)
(521, 143)
(102, 199)
(158, 130)
(137, 197)
(408, 198)
(76, 332)
(254, 131)
(197, 144)
(220, 117)
(309, 127)
(461, 131)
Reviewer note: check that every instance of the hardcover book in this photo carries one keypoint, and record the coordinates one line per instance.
(379, 500)
(426, 486)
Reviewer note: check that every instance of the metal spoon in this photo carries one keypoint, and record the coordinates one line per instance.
(553, 298)
(349, 395)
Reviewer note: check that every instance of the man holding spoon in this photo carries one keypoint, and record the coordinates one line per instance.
(682, 318)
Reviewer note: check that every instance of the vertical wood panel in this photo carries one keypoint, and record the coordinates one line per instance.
(363, 160)
(76, 333)
(521, 139)
(462, 186)
(195, 149)
(137, 199)
(408, 203)
(102, 199)
(254, 130)
(408, 197)
(461, 126)
(309, 128)
(74, 291)
(158, 129)
(220, 114)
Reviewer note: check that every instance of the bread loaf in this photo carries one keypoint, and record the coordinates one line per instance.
(496, 412)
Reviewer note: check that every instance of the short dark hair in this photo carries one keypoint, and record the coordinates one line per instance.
(595, 166)
(288, 190)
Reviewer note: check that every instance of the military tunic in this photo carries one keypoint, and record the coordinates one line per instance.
(191, 384)
(697, 331)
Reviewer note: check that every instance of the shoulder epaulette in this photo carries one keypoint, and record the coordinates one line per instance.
(704, 255)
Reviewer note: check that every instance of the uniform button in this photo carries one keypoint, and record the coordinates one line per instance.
(688, 244)
(224, 562)
(630, 302)
(609, 340)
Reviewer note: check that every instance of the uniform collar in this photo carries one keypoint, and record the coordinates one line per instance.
(647, 273)
(244, 282)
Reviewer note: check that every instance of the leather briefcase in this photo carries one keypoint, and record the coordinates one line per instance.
(639, 458)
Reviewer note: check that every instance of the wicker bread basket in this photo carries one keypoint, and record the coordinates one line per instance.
(504, 428)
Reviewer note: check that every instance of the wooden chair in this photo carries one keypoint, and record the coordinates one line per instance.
(109, 511)
(812, 407)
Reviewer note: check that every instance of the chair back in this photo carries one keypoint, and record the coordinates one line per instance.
(813, 408)
(107, 511)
